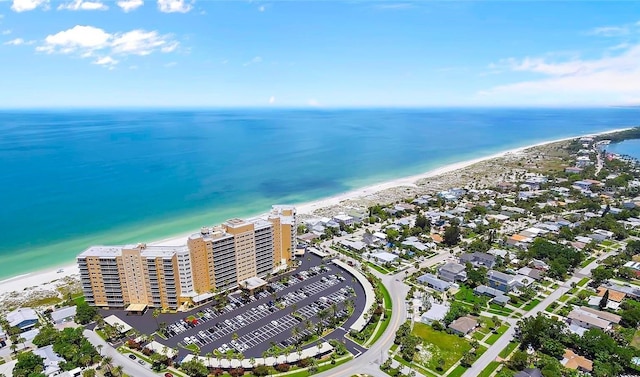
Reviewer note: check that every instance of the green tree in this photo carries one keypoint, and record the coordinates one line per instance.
(451, 235)
(519, 360)
(29, 365)
(89, 373)
(195, 368)
(85, 313)
(475, 277)
(601, 274)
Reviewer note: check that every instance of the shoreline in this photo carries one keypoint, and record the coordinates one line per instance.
(45, 278)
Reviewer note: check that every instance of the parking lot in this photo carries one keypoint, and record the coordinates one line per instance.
(253, 326)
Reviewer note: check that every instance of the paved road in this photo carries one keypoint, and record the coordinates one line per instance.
(370, 361)
(491, 354)
(129, 366)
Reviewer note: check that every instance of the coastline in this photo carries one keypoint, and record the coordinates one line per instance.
(46, 279)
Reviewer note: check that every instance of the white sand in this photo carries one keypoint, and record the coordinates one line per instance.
(42, 279)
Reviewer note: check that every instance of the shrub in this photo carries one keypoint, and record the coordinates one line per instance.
(261, 370)
(236, 372)
(284, 367)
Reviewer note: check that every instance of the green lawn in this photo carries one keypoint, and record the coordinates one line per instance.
(635, 342)
(465, 294)
(583, 282)
(586, 262)
(494, 337)
(500, 308)
(457, 372)
(563, 298)
(531, 304)
(478, 335)
(387, 315)
(508, 349)
(439, 345)
(486, 372)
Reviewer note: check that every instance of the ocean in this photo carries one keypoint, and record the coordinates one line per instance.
(70, 179)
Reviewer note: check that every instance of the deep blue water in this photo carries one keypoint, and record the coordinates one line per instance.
(69, 179)
(627, 147)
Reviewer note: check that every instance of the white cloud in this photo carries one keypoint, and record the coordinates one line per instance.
(255, 60)
(18, 42)
(6, 32)
(262, 8)
(313, 102)
(610, 31)
(129, 5)
(84, 38)
(83, 5)
(89, 41)
(27, 5)
(106, 61)
(170, 64)
(15, 42)
(174, 6)
(272, 100)
(605, 80)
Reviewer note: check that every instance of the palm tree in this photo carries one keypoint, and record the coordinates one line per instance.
(107, 363)
(252, 361)
(209, 355)
(99, 347)
(156, 314)
(117, 371)
(295, 332)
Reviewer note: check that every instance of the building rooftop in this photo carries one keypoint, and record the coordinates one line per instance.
(590, 319)
(464, 324)
(572, 361)
(20, 315)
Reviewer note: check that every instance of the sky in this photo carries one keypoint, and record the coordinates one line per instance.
(215, 53)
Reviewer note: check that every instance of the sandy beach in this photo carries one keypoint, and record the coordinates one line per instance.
(51, 278)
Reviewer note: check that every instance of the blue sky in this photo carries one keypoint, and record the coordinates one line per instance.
(177, 53)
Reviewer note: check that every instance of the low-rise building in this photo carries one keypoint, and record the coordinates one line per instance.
(478, 259)
(501, 281)
(463, 325)
(433, 282)
(22, 318)
(63, 314)
(452, 272)
(572, 361)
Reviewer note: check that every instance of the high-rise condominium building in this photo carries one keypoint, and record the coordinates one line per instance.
(215, 259)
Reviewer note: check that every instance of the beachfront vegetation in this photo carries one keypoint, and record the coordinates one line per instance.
(70, 344)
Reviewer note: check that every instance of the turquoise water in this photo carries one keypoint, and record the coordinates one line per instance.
(70, 179)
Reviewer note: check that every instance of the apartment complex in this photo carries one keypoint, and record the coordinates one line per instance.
(215, 259)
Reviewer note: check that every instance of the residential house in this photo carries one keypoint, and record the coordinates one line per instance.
(353, 245)
(371, 240)
(588, 320)
(382, 257)
(463, 325)
(50, 359)
(497, 295)
(529, 372)
(501, 281)
(344, 219)
(573, 170)
(22, 318)
(433, 282)
(452, 272)
(478, 259)
(63, 314)
(539, 265)
(572, 361)
(530, 273)
(436, 312)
